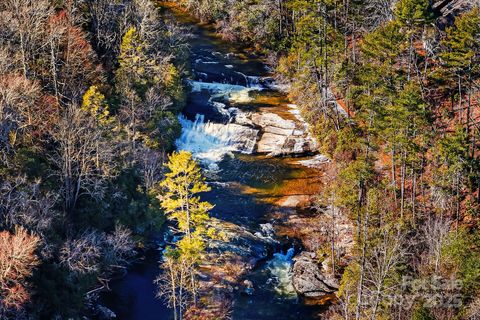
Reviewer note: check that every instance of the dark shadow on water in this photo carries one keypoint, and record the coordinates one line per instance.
(133, 296)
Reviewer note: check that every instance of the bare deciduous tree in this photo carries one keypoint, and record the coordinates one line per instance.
(23, 204)
(83, 157)
(151, 166)
(23, 30)
(473, 310)
(174, 283)
(107, 28)
(119, 246)
(380, 266)
(17, 99)
(82, 255)
(434, 235)
(73, 63)
(97, 252)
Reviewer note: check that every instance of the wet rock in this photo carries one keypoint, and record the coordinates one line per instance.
(279, 136)
(275, 144)
(279, 131)
(294, 201)
(248, 287)
(308, 279)
(315, 162)
(105, 313)
(239, 240)
(282, 136)
(243, 118)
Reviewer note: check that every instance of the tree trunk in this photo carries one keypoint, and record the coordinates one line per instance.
(402, 186)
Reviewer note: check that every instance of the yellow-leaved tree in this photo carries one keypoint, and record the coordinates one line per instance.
(181, 201)
(95, 104)
(182, 204)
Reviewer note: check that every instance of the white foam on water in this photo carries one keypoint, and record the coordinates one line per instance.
(221, 108)
(280, 267)
(233, 92)
(198, 86)
(210, 142)
(251, 81)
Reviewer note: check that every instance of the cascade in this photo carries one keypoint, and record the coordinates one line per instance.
(209, 142)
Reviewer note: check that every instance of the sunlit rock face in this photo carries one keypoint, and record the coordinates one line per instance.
(281, 136)
(308, 278)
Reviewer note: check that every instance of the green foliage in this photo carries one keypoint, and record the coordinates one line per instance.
(51, 280)
(356, 176)
(132, 61)
(385, 43)
(138, 209)
(462, 253)
(453, 148)
(463, 47)
(191, 247)
(95, 104)
(411, 12)
(422, 313)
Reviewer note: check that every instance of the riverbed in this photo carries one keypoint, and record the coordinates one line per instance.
(230, 86)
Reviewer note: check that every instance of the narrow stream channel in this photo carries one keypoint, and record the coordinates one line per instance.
(246, 186)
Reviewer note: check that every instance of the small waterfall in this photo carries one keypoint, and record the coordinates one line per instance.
(210, 142)
(251, 81)
(281, 269)
(254, 82)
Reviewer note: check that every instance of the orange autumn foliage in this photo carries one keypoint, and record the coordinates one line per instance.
(17, 261)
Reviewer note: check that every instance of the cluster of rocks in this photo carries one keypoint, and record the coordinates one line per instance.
(312, 275)
(230, 256)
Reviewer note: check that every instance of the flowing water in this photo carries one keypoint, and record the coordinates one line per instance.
(226, 83)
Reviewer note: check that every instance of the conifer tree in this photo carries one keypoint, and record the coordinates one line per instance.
(413, 11)
(181, 201)
(183, 205)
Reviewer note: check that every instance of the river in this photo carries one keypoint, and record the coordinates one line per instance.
(248, 188)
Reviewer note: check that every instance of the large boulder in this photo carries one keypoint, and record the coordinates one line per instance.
(308, 279)
(282, 136)
(273, 120)
(238, 243)
(270, 143)
(447, 10)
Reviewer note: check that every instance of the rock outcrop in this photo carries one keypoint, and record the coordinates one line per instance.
(309, 279)
(447, 10)
(278, 136)
(233, 253)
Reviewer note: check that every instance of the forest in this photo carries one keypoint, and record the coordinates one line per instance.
(98, 168)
